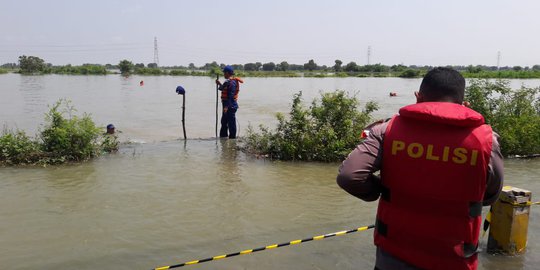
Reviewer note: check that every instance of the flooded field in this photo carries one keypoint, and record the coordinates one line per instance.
(162, 201)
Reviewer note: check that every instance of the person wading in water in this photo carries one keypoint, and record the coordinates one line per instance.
(229, 97)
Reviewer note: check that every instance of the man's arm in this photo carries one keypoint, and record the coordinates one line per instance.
(495, 173)
(356, 172)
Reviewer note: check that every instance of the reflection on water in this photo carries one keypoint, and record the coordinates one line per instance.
(32, 88)
(162, 203)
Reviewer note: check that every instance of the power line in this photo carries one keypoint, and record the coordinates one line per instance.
(86, 45)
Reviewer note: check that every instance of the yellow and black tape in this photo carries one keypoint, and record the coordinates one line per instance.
(249, 251)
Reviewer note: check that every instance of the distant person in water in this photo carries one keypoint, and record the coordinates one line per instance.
(111, 130)
(110, 142)
(229, 97)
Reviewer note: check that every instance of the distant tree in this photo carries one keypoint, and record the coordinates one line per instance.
(9, 65)
(474, 69)
(152, 65)
(109, 66)
(536, 67)
(337, 66)
(296, 67)
(139, 65)
(310, 65)
(192, 66)
(517, 68)
(238, 67)
(211, 66)
(125, 66)
(250, 67)
(283, 66)
(258, 65)
(379, 68)
(269, 66)
(31, 64)
(398, 68)
(351, 67)
(409, 73)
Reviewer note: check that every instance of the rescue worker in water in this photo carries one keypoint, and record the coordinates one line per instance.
(439, 163)
(229, 97)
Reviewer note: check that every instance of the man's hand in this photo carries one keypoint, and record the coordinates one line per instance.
(218, 82)
(225, 109)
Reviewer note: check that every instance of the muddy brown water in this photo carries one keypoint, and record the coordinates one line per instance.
(162, 201)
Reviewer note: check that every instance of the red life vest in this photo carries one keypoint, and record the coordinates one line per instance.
(225, 91)
(434, 170)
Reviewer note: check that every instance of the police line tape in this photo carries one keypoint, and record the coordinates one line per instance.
(249, 251)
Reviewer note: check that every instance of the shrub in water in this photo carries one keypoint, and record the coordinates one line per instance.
(326, 131)
(63, 139)
(72, 138)
(17, 148)
(513, 114)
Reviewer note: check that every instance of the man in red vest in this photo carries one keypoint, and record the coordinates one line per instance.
(439, 164)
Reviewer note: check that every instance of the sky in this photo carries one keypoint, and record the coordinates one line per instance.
(412, 32)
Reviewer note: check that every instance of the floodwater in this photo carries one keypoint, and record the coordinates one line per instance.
(162, 201)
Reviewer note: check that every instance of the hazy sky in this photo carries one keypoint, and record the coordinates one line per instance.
(451, 32)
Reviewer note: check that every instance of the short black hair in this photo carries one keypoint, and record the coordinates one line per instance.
(443, 84)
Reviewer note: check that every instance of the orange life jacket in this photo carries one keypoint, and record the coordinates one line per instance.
(225, 91)
(433, 175)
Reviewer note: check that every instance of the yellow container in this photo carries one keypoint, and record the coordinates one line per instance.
(509, 222)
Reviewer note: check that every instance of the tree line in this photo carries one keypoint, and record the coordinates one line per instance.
(34, 64)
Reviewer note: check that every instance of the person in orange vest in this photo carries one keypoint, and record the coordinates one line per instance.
(439, 164)
(229, 100)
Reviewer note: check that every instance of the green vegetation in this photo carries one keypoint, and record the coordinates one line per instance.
(326, 131)
(17, 148)
(126, 67)
(287, 74)
(3, 71)
(513, 114)
(182, 72)
(505, 74)
(63, 139)
(410, 73)
(149, 71)
(86, 69)
(36, 65)
(31, 64)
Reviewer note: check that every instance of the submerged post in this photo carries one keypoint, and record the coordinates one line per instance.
(181, 91)
(217, 99)
(509, 222)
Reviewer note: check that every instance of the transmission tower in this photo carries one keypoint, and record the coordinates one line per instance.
(156, 55)
(498, 59)
(369, 55)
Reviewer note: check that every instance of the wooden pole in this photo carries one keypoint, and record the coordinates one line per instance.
(217, 106)
(183, 115)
